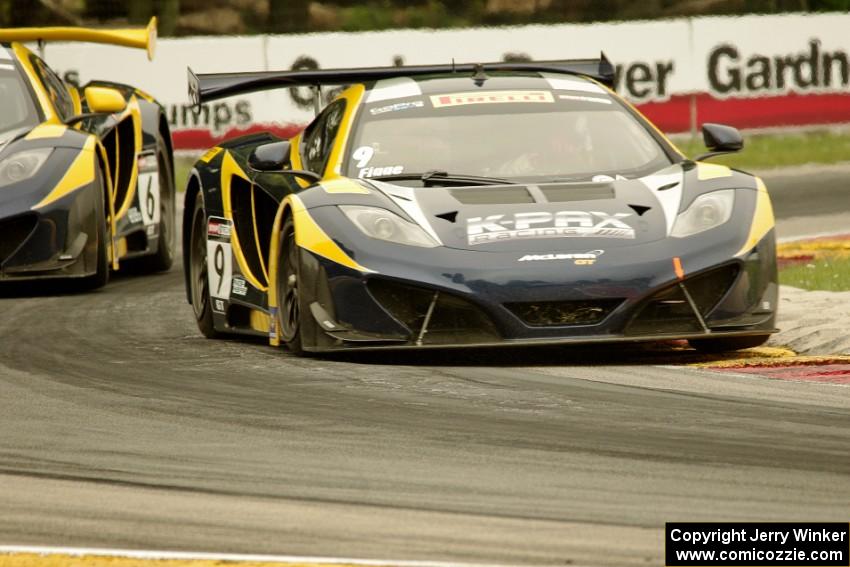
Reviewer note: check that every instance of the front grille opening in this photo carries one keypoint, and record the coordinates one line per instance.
(668, 311)
(453, 320)
(564, 313)
(13, 232)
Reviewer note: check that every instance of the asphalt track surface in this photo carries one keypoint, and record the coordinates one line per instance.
(121, 427)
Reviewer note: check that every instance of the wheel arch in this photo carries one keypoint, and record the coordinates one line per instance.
(102, 162)
(284, 212)
(193, 189)
(165, 133)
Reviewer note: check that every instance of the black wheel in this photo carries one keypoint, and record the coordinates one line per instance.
(103, 237)
(726, 344)
(289, 310)
(162, 260)
(199, 287)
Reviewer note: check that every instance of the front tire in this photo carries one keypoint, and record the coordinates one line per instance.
(727, 344)
(199, 288)
(289, 286)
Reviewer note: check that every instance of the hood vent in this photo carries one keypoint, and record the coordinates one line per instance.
(493, 195)
(567, 192)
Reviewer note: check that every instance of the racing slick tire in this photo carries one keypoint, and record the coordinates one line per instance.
(726, 344)
(199, 283)
(104, 240)
(163, 258)
(290, 312)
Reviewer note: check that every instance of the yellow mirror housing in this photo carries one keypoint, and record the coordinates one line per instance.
(105, 100)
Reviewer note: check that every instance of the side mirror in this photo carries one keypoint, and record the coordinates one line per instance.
(103, 100)
(269, 157)
(100, 100)
(272, 158)
(720, 139)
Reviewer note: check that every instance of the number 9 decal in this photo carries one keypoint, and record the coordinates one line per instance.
(363, 154)
(219, 268)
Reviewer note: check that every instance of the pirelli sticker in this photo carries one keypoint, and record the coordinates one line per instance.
(492, 97)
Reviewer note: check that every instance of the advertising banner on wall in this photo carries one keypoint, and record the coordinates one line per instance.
(750, 72)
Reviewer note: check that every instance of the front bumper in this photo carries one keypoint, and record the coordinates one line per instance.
(635, 296)
(57, 241)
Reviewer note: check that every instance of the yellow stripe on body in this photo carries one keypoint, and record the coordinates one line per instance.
(763, 220)
(260, 321)
(343, 185)
(121, 247)
(310, 236)
(77, 102)
(708, 171)
(46, 130)
(210, 154)
(274, 253)
(352, 95)
(79, 174)
(23, 56)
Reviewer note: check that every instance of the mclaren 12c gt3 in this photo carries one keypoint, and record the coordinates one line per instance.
(85, 173)
(474, 205)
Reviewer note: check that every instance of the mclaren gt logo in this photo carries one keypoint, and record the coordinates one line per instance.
(564, 224)
(583, 259)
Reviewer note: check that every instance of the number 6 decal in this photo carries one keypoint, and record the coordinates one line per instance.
(149, 197)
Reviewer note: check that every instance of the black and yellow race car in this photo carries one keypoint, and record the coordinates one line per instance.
(474, 205)
(86, 175)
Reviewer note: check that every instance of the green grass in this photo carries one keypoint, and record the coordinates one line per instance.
(182, 167)
(765, 151)
(830, 273)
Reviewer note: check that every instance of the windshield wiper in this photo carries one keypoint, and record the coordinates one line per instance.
(436, 176)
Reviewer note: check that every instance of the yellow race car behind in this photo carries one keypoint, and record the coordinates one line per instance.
(86, 175)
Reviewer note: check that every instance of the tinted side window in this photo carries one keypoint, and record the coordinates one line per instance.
(319, 137)
(56, 89)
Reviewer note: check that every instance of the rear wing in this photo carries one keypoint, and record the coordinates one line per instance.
(142, 38)
(212, 86)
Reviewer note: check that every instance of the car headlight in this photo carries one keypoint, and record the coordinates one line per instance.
(707, 211)
(22, 165)
(384, 225)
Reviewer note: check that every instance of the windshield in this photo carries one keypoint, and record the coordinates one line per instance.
(17, 111)
(507, 134)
